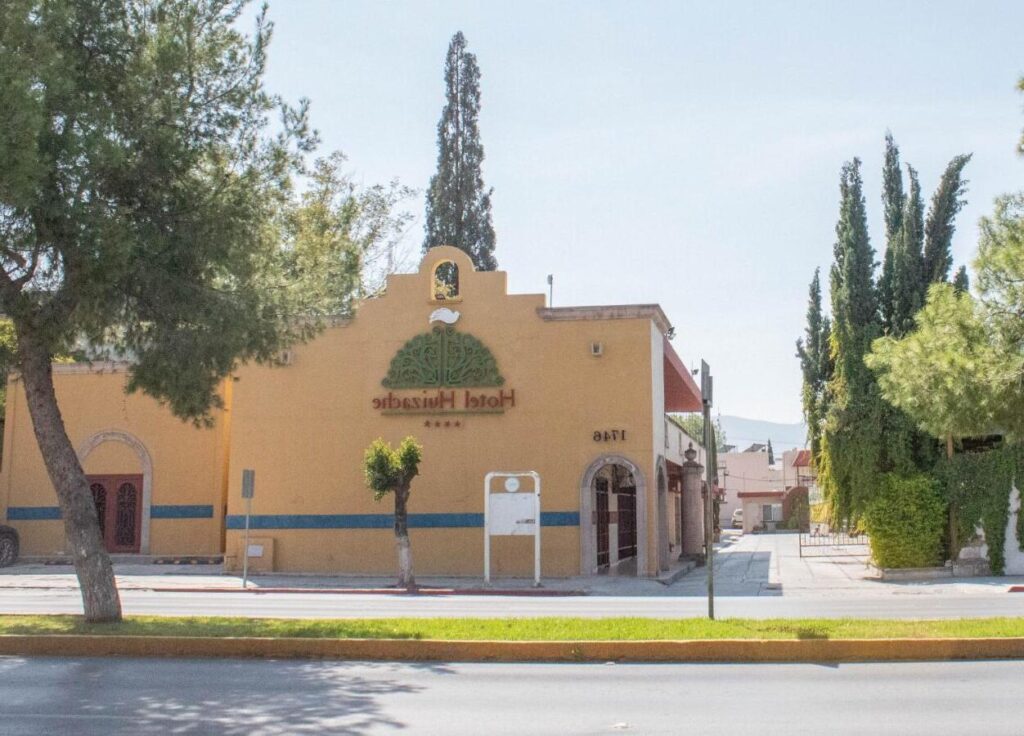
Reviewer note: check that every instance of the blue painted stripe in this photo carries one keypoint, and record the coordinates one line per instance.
(559, 518)
(33, 513)
(307, 521)
(181, 511)
(49, 513)
(384, 521)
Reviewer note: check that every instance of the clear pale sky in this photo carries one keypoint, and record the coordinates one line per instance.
(680, 153)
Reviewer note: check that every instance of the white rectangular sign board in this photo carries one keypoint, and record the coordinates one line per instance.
(513, 514)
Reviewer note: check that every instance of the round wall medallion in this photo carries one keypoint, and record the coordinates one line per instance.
(511, 485)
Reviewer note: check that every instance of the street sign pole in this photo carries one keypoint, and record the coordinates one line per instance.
(711, 473)
(248, 489)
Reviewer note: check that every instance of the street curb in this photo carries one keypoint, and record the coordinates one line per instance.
(515, 592)
(523, 592)
(418, 650)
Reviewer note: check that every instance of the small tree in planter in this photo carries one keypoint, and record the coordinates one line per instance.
(391, 470)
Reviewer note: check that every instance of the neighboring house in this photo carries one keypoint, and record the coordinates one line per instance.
(773, 509)
(761, 509)
(745, 472)
(805, 476)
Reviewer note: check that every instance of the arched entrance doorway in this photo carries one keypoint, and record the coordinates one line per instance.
(120, 473)
(613, 512)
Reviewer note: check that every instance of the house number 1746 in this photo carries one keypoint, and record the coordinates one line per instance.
(609, 435)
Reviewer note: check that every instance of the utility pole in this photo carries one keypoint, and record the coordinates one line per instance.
(711, 473)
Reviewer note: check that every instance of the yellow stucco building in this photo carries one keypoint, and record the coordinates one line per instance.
(485, 380)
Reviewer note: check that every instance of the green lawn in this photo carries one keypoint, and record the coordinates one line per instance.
(520, 629)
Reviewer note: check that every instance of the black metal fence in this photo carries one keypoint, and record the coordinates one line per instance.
(841, 542)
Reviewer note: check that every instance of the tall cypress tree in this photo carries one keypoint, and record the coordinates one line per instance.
(906, 448)
(961, 282)
(907, 293)
(812, 350)
(851, 446)
(894, 202)
(458, 206)
(938, 230)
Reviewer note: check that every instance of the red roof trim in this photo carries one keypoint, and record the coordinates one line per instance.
(761, 494)
(681, 391)
(802, 459)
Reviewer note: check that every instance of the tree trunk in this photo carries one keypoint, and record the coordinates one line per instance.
(954, 541)
(405, 576)
(81, 527)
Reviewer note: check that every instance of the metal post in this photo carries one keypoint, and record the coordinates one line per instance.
(551, 290)
(245, 544)
(711, 473)
(536, 535)
(248, 490)
(487, 527)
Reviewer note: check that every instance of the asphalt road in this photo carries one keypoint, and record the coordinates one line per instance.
(327, 605)
(139, 696)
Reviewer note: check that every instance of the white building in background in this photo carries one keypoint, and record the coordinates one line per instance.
(749, 471)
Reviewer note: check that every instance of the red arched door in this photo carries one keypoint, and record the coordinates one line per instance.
(118, 500)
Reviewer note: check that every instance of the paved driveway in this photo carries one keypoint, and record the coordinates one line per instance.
(771, 565)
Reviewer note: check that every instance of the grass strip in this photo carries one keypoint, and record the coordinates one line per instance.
(521, 629)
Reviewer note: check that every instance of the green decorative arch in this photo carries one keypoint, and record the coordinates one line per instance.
(443, 357)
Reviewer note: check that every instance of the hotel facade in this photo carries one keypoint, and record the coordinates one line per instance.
(485, 380)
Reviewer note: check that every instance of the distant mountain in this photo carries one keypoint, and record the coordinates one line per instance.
(743, 432)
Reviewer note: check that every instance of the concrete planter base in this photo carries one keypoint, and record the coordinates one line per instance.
(963, 569)
(902, 574)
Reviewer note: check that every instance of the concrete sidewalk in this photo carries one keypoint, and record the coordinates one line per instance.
(771, 565)
(197, 578)
(763, 565)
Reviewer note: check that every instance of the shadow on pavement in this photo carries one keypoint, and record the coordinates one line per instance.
(151, 696)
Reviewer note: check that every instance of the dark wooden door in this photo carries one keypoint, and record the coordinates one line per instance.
(118, 500)
(626, 498)
(603, 521)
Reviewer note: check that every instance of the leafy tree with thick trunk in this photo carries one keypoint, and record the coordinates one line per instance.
(458, 205)
(140, 210)
(391, 470)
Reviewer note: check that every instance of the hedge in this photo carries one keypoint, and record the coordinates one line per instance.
(905, 522)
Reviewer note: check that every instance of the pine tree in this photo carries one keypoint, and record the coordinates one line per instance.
(142, 193)
(946, 203)
(458, 206)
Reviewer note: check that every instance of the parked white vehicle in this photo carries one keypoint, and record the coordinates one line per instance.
(737, 519)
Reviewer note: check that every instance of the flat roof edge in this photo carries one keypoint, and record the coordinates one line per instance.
(652, 312)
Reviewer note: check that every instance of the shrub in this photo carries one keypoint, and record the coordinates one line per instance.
(905, 522)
